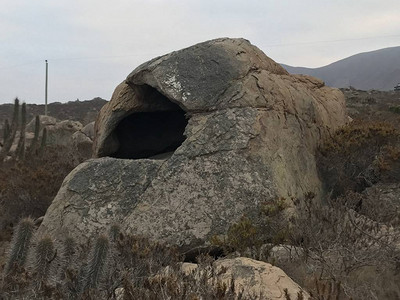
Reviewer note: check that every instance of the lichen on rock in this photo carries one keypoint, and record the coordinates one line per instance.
(250, 134)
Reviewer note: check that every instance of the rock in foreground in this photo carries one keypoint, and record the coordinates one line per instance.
(254, 279)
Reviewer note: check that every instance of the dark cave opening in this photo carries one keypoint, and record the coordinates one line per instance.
(148, 134)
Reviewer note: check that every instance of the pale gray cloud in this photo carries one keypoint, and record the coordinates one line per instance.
(92, 45)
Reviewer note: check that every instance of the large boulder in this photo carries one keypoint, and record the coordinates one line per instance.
(196, 139)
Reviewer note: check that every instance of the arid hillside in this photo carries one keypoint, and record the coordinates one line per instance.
(82, 111)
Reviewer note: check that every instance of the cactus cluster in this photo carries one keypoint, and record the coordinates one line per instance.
(18, 124)
(40, 264)
(115, 266)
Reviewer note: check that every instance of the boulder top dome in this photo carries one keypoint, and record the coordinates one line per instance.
(205, 77)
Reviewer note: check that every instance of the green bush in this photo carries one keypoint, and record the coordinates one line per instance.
(256, 236)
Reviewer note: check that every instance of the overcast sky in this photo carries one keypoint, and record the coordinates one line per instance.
(92, 45)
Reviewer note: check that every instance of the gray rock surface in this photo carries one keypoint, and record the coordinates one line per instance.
(88, 199)
(250, 136)
(88, 130)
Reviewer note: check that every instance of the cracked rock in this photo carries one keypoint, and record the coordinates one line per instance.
(194, 139)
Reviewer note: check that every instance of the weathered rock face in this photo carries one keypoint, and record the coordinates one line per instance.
(222, 127)
(82, 141)
(88, 196)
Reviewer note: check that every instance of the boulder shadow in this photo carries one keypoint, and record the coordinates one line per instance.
(151, 134)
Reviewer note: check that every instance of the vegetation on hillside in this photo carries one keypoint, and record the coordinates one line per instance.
(31, 174)
(82, 111)
(27, 187)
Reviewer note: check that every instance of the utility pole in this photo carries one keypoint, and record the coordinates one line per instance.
(45, 93)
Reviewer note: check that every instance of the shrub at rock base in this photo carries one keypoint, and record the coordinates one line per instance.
(359, 155)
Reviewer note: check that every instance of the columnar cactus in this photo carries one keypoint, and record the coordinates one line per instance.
(12, 132)
(35, 140)
(6, 130)
(67, 254)
(44, 255)
(20, 245)
(44, 140)
(21, 143)
(97, 263)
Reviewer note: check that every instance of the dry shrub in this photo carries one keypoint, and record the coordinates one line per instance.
(341, 245)
(27, 187)
(241, 237)
(375, 204)
(254, 237)
(337, 253)
(359, 155)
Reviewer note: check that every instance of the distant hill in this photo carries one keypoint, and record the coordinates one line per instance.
(379, 70)
(82, 111)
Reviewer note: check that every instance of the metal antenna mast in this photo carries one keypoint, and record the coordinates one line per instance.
(45, 95)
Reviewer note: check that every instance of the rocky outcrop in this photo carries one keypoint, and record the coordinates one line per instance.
(88, 130)
(82, 141)
(44, 121)
(252, 278)
(205, 135)
(58, 132)
(61, 133)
